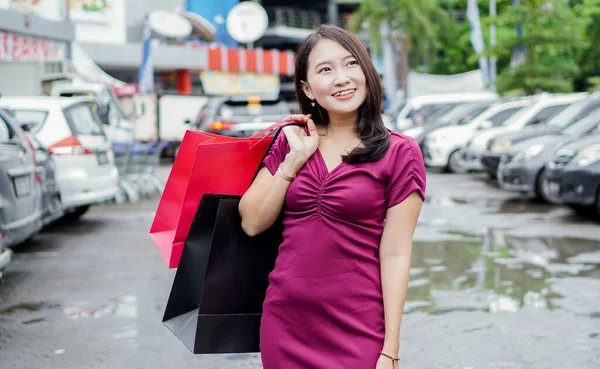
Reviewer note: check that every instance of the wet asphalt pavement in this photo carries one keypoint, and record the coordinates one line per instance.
(498, 281)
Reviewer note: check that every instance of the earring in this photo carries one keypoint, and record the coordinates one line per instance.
(313, 103)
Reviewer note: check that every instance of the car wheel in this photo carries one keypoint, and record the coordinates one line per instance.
(598, 202)
(541, 188)
(76, 213)
(454, 163)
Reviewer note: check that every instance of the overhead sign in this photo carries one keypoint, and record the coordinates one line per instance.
(16, 47)
(228, 83)
(247, 22)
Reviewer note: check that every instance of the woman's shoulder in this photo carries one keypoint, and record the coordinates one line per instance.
(402, 144)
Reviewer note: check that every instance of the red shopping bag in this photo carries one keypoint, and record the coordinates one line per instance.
(206, 164)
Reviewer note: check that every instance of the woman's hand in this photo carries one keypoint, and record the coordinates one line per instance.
(386, 363)
(302, 145)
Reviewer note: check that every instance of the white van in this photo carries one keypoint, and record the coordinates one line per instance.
(415, 110)
(70, 129)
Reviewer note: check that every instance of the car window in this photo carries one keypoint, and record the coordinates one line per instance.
(231, 110)
(502, 116)
(7, 134)
(472, 114)
(83, 120)
(36, 117)
(543, 115)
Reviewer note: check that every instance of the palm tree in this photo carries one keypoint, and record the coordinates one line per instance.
(414, 24)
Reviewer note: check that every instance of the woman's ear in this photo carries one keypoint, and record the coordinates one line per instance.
(307, 91)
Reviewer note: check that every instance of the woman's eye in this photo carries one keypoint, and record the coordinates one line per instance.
(352, 62)
(324, 69)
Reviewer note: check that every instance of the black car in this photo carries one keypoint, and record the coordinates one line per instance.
(240, 116)
(574, 175)
(498, 145)
(524, 167)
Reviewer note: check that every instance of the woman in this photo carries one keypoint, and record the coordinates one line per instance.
(336, 295)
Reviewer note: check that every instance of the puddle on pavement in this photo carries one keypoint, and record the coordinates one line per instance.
(498, 272)
(123, 307)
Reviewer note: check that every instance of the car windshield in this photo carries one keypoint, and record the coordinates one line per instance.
(574, 113)
(83, 120)
(583, 126)
(34, 117)
(472, 114)
(244, 110)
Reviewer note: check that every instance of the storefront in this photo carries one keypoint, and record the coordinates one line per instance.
(34, 39)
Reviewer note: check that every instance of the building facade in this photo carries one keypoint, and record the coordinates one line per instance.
(34, 44)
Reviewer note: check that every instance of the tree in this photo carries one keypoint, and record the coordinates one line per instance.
(552, 36)
(414, 24)
(589, 59)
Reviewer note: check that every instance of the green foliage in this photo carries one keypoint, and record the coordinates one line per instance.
(419, 21)
(552, 36)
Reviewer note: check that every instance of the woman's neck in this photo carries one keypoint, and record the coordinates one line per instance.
(342, 125)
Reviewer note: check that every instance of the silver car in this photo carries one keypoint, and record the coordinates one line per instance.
(20, 217)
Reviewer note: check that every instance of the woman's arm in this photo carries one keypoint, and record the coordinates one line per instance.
(395, 252)
(261, 204)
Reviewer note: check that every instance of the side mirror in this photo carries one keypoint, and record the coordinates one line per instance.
(27, 126)
(486, 124)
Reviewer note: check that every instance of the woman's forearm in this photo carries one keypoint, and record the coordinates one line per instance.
(395, 271)
(262, 203)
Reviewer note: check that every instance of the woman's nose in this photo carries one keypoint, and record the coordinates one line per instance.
(341, 79)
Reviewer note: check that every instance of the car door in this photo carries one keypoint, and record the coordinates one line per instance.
(17, 176)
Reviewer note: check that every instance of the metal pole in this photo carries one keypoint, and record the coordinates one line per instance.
(493, 42)
(332, 13)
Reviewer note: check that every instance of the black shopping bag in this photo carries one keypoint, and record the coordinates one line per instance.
(216, 300)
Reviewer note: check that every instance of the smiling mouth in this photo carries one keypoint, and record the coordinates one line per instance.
(344, 93)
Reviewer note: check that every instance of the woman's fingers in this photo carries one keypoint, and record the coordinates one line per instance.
(312, 128)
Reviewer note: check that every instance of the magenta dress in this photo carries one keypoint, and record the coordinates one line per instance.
(324, 305)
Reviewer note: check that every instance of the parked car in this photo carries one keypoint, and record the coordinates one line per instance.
(240, 116)
(573, 113)
(458, 115)
(540, 112)
(574, 175)
(524, 167)
(442, 146)
(417, 109)
(72, 132)
(19, 214)
(49, 202)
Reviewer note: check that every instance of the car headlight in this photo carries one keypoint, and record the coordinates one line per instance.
(500, 146)
(530, 152)
(587, 156)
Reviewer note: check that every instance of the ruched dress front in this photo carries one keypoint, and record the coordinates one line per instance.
(324, 304)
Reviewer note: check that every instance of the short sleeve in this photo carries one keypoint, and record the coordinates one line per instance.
(277, 153)
(406, 172)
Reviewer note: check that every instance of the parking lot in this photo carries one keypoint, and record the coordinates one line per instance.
(498, 280)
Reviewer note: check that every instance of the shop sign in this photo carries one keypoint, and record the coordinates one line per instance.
(243, 83)
(15, 47)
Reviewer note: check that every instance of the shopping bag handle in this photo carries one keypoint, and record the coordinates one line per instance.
(274, 128)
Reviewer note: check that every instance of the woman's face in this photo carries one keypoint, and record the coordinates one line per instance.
(334, 79)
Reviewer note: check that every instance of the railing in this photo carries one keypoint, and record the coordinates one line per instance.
(292, 17)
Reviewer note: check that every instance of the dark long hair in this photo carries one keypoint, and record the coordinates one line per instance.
(373, 133)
